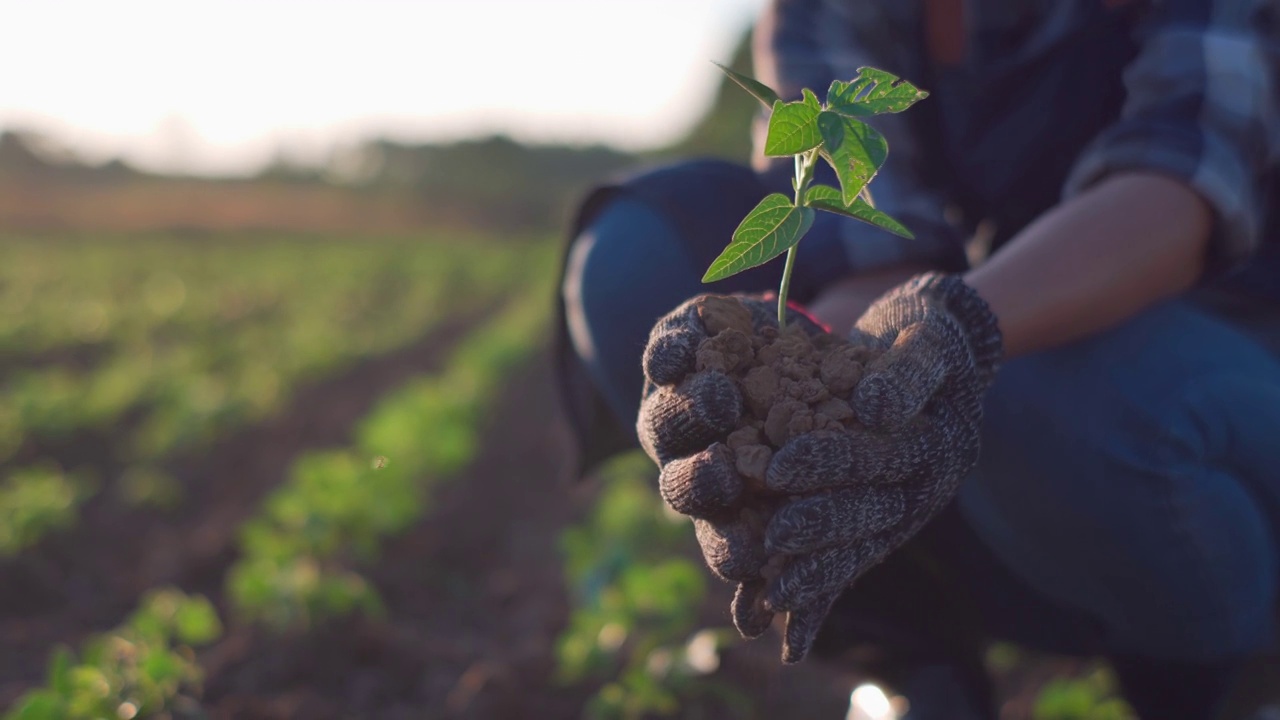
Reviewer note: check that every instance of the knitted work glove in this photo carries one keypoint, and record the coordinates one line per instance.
(687, 416)
(866, 491)
(685, 410)
(830, 503)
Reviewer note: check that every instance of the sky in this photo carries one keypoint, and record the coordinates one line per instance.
(220, 87)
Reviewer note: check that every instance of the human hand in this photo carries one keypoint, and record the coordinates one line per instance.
(692, 407)
(796, 527)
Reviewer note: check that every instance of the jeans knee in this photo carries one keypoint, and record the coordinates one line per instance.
(1238, 619)
(1108, 497)
(624, 271)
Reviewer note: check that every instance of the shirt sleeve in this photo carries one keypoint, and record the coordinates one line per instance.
(1201, 107)
(807, 44)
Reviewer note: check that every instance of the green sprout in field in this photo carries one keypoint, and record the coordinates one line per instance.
(808, 129)
(145, 668)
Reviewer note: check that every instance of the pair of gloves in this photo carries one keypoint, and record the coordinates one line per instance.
(836, 502)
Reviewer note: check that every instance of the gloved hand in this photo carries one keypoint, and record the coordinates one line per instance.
(865, 492)
(832, 502)
(687, 416)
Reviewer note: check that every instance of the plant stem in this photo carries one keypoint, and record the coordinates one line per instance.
(785, 287)
(805, 163)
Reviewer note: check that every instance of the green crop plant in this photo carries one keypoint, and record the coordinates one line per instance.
(190, 341)
(1093, 696)
(150, 348)
(636, 594)
(38, 500)
(809, 129)
(143, 668)
(338, 506)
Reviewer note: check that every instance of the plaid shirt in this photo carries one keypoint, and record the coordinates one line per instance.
(1049, 97)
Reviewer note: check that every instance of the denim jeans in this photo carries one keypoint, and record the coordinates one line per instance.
(1127, 499)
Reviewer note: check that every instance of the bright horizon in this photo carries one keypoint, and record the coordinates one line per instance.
(222, 88)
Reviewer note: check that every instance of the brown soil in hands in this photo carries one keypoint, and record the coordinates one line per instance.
(792, 382)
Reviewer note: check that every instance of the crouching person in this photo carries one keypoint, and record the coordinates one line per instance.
(1071, 444)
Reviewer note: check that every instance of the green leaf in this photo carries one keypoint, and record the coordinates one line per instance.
(759, 90)
(1065, 699)
(873, 92)
(39, 705)
(825, 197)
(163, 667)
(793, 127)
(765, 233)
(60, 671)
(855, 149)
(196, 621)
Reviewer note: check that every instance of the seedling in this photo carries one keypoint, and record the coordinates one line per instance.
(807, 130)
(144, 668)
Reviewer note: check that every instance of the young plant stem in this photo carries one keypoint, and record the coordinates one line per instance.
(785, 287)
(805, 163)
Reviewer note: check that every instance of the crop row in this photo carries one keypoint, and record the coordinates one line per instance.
(235, 329)
(636, 595)
(163, 345)
(334, 510)
(140, 669)
(337, 506)
(83, 293)
(634, 624)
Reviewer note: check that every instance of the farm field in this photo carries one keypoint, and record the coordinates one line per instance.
(250, 475)
(279, 476)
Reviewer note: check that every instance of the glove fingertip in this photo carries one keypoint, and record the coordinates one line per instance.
(703, 484)
(808, 578)
(731, 549)
(750, 616)
(899, 383)
(671, 356)
(676, 421)
(802, 629)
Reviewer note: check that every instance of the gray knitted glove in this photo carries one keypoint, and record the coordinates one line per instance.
(685, 410)
(866, 491)
(685, 418)
(834, 502)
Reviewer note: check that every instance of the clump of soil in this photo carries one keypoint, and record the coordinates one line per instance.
(792, 381)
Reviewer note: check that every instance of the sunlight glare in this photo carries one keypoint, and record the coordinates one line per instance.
(869, 702)
(702, 653)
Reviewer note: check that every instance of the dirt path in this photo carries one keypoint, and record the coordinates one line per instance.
(86, 579)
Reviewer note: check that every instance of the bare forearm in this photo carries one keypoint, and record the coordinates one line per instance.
(1095, 260)
(1084, 266)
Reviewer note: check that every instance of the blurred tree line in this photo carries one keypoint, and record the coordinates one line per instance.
(492, 182)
